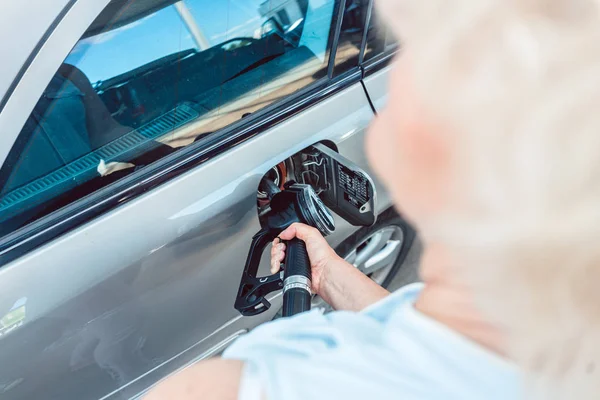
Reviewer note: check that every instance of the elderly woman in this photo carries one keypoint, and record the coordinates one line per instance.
(490, 145)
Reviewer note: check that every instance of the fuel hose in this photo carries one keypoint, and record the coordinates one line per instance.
(296, 279)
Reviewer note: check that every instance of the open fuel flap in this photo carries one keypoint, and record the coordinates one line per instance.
(345, 188)
(303, 188)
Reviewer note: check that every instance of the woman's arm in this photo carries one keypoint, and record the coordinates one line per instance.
(344, 287)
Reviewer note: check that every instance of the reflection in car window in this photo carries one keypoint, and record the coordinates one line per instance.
(151, 76)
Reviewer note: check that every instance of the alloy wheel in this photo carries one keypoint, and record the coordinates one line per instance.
(375, 256)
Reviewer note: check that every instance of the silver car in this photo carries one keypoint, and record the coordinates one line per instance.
(134, 138)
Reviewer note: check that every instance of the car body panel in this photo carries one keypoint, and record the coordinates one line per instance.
(128, 291)
(118, 303)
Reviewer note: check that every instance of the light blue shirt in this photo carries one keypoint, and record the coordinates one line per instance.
(388, 351)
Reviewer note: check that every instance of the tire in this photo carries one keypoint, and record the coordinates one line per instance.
(388, 219)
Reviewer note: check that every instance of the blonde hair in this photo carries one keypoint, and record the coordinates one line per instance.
(518, 83)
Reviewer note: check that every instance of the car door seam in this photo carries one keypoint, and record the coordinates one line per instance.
(362, 82)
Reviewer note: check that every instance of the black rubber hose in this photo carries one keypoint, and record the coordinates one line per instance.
(296, 297)
(295, 301)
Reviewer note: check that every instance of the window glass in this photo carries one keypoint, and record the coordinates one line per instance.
(379, 38)
(151, 76)
(351, 35)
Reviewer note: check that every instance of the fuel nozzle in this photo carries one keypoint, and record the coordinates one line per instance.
(297, 203)
(344, 187)
(268, 187)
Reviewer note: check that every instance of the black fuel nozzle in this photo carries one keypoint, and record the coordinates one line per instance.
(269, 187)
(343, 186)
(297, 203)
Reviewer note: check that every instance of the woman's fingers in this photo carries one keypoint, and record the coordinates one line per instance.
(277, 255)
(281, 252)
(277, 250)
(274, 256)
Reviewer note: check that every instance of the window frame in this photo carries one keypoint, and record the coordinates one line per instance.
(382, 59)
(363, 42)
(63, 34)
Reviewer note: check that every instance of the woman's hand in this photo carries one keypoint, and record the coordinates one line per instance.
(321, 255)
(334, 279)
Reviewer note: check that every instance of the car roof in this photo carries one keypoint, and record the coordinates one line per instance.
(21, 29)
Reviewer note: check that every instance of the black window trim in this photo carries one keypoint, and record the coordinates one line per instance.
(363, 44)
(379, 62)
(339, 19)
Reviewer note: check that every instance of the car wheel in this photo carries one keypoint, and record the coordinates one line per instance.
(379, 251)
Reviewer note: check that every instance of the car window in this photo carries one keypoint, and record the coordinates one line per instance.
(149, 77)
(351, 35)
(380, 39)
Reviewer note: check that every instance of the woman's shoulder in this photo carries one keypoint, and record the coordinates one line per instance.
(387, 349)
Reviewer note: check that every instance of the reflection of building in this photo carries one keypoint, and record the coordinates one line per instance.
(284, 12)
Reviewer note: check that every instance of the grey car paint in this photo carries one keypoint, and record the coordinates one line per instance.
(148, 288)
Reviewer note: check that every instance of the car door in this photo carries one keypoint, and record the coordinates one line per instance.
(138, 134)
